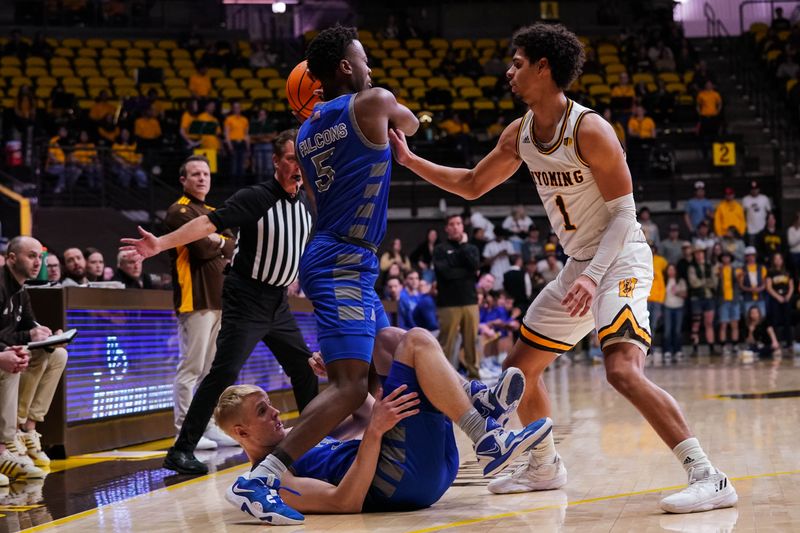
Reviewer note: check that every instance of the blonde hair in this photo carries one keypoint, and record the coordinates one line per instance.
(228, 410)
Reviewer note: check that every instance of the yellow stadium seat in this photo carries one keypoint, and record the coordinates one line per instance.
(122, 44)
(439, 44)
(615, 68)
(109, 62)
(434, 63)
(410, 83)
(418, 93)
(19, 81)
(183, 64)
(84, 62)
(158, 63)
(87, 72)
(111, 52)
(174, 82)
(758, 27)
(36, 72)
(113, 72)
(278, 106)
(232, 92)
(224, 83)
(469, 93)
(126, 92)
(134, 62)
(10, 61)
(180, 53)
(61, 72)
(251, 83)
(483, 104)
(676, 87)
(12, 91)
(144, 44)
(167, 44)
(239, 73)
(400, 53)
(790, 84)
(414, 44)
(35, 62)
(157, 53)
(96, 43)
(215, 73)
(391, 63)
(599, 90)
(72, 43)
(414, 62)
(423, 53)
(97, 81)
(669, 77)
(64, 52)
(461, 44)
(460, 105)
(276, 83)
(9, 72)
(43, 92)
(399, 73)
(391, 83)
(280, 93)
(607, 48)
(46, 81)
(370, 44)
(390, 44)
(136, 53)
(438, 82)
(688, 76)
(772, 55)
(77, 91)
(364, 35)
(145, 87)
(487, 81)
(95, 90)
(783, 36)
(178, 93)
(422, 72)
(485, 43)
(267, 73)
(591, 79)
(123, 82)
(414, 106)
(463, 81)
(87, 52)
(60, 62)
(378, 72)
(643, 77)
(186, 73)
(260, 94)
(608, 59)
(612, 79)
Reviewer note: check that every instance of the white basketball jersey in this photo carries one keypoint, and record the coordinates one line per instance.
(569, 193)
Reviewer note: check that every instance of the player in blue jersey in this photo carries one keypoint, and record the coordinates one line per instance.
(398, 456)
(345, 159)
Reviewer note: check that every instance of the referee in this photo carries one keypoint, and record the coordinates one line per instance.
(274, 224)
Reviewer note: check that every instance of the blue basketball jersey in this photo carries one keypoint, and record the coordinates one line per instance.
(349, 174)
(328, 461)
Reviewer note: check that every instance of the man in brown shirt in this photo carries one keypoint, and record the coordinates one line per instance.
(197, 269)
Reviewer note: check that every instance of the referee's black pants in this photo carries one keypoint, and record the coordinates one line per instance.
(252, 311)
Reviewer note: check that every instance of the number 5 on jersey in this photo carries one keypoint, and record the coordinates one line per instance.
(569, 226)
(324, 172)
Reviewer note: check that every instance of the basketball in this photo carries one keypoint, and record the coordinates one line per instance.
(300, 87)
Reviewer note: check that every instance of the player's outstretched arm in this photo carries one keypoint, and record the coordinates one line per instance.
(499, 165)
(318, 496)
(149, 245)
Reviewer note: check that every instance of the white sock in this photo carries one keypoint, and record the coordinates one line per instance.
(690, 454)
(544, 453)
(270, 465)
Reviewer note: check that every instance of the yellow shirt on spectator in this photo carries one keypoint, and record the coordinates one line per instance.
(109, 135)
(622, 91)
(729, 213)
(186, 121)
(85, 153)
(127, 152)
(55, 152)
(727, 277)
(709, 103)
(237, 127)
(210, 142)
(100, 110)
(200, 85)
(147, 128)
(659, 289)
(644, 128)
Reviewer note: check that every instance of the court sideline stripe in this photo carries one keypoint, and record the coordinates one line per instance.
(510, 514)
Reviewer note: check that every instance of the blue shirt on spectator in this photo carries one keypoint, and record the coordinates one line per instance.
(699, 209)
(489, 314)
(405, 309)
(425, 313)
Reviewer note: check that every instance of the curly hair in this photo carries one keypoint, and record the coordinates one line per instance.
(328, 49)
(563, 50)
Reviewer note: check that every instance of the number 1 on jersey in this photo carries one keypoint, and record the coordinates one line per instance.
(569, 226)
(324, 172)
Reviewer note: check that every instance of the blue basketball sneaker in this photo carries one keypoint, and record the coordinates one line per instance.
(259, 498)
(498, 447)
(502, 400)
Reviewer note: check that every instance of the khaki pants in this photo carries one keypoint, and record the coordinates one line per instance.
(9, 392)
(464, 319)
(38, 384)
(198, 334)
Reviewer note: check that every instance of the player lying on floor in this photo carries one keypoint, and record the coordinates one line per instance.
(406, 456)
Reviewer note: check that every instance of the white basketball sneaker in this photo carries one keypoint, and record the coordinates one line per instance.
(13, 466)
(4, 481)
(205, 444)
(33, 445)
(708, 489)
(529, 477)
(215, 434)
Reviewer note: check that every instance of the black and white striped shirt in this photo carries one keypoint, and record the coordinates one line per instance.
(274, 229)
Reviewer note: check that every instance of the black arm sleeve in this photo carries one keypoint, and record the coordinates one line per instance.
(245, 207)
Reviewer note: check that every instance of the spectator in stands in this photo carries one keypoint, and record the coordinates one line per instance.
(395, 256)
(485, 283)
(261, 56)
(729, 213)
(18, 326)
(662, 57)
(640, 126)
(24, 110)
(408, 300)
(107, 131)
(759, 336)
(770, 240)
(422, 256)
(532, 247)
(670, 248)
(734, 245)
(703, 284)
(456, 262)
(756, 207)
(74, 268)
(780, 289)
(458, 131)
(698, 208)
(479, 241)
(779, 22)
(701, 76)
(686, 259)
(129, 272)
(655, 302)
(649, 228)
(200, 82)
(392, 289)
(714, 258)
(675, 292)
(550, 266)
(391, 30)
(709, 107)
(497, 254)
(793, 240)
(128, 161)
(618, 128)
(210, 141)
(660, 102)
(495, 66)
(477, 220)
(424, 314)
(703, 238)
(53, 264)
(788, 69)
(190, 115)
(147, 129)
(263, 131)
(58, 164)
(623, 95)
(102, 107)
(524, 285)
(87, 161)
(517, 225)
(729, 301)
(95, 264)
(752, 283)
(237, 141)
(469, 65)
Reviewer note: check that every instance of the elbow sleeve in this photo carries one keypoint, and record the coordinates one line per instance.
(619, 231)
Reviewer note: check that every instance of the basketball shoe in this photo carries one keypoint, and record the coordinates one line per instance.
(13, 465)
(213, 433)
(708, 489)
(500, 401)
(33, 446)
(498, 447)
(531, 477)
(259, 498)
(4, 481)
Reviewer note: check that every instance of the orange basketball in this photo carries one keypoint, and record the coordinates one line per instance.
(300, 87)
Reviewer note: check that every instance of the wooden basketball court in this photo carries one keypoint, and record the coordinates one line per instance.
(618, 468)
